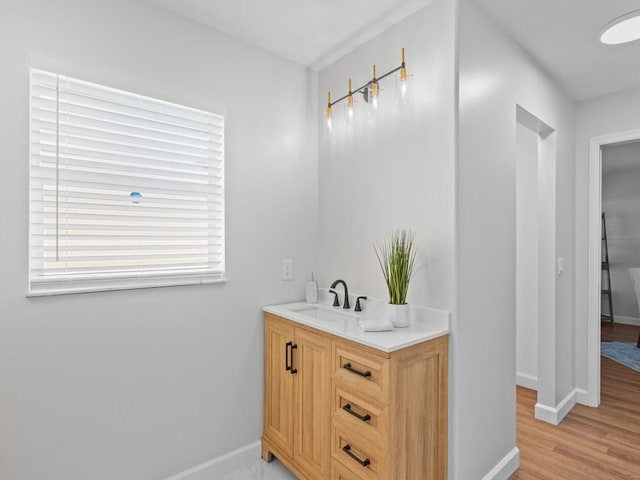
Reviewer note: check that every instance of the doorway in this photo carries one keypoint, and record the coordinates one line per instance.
(594, 300)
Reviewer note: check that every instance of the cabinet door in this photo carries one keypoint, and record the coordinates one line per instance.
(312, 360)
(278, 384)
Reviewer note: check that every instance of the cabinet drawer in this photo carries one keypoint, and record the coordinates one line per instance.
(365, 372)
(369, 419)
(361, 456)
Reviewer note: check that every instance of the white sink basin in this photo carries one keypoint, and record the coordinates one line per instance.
(324, 314)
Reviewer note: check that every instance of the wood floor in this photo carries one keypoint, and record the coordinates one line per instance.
(619, 333)
(589, 444)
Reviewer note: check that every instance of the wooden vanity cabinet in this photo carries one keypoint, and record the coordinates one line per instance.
(335, 409)
(297, 398)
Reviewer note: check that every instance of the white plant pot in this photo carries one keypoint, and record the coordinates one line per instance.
(398, 314)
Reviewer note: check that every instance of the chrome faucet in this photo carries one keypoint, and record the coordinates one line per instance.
(346, 294)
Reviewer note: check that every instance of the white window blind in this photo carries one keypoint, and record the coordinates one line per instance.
(126, 191)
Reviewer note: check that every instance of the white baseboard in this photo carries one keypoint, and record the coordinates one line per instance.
(226, 463)
(554, 415)
(582, 397)
(527, 381)
(626, 320)
(506, 467)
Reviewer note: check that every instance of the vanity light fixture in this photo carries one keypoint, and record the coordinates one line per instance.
(370, 92)
(623, 29)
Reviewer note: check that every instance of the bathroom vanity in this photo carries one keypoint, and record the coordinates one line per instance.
(343, 404)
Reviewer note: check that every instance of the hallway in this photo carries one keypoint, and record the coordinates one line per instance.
(590, 444)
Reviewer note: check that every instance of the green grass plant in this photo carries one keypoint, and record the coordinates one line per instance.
(397, 257)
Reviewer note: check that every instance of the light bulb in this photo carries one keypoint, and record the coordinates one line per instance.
(329, 116)
(350, 114)
(402, 89)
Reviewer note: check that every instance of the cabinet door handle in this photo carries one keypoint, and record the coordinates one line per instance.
(293, 370)
(287, 362)
(347, 449)
(364, 418)
(347, 366)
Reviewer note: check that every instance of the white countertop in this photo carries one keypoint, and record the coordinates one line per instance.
(426, 324)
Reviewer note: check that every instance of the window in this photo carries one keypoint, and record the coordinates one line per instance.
(126, 191)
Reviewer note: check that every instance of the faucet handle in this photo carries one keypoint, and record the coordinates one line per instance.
(358, 307)
(336, 302)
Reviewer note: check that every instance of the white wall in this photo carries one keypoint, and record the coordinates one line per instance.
(396, 171)
(601, 116)
(496, 74)
(621, 204)
(526, 255)
(142, 384)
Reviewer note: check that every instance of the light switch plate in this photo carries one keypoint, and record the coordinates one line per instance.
(560, 266)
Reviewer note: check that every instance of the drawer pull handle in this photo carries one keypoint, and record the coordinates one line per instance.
(347, 366)
(347, 449)
(293, 369)
(287, 362)
(364, 418)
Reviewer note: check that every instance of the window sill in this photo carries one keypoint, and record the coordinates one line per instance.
(152, 283)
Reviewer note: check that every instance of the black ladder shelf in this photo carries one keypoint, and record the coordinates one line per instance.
(608, 317)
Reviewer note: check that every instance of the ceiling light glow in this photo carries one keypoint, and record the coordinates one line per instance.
(624, 29)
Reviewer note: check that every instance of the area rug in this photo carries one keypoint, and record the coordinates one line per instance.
(625, 353)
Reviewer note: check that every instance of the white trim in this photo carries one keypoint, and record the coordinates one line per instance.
(594, 260)
(554, 415)
(151, 283)
(622, 320)
(224, 464)
(506, 467)
(581, 396)
(527, 381)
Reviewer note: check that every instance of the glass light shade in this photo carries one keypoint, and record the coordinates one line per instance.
(402, 88)
(622, 30)
(329, 119)
(349, 112)
(373, 95)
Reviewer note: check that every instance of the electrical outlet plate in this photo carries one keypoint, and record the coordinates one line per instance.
(287, 270)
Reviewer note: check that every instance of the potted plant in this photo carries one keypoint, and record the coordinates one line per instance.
(397, 256)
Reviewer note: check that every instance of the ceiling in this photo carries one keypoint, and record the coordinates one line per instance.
(313, 33)
(564, 36)
(561, 34)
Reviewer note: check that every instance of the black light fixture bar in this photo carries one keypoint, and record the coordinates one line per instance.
(362, 89)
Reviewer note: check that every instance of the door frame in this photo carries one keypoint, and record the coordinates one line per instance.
(594, 258)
